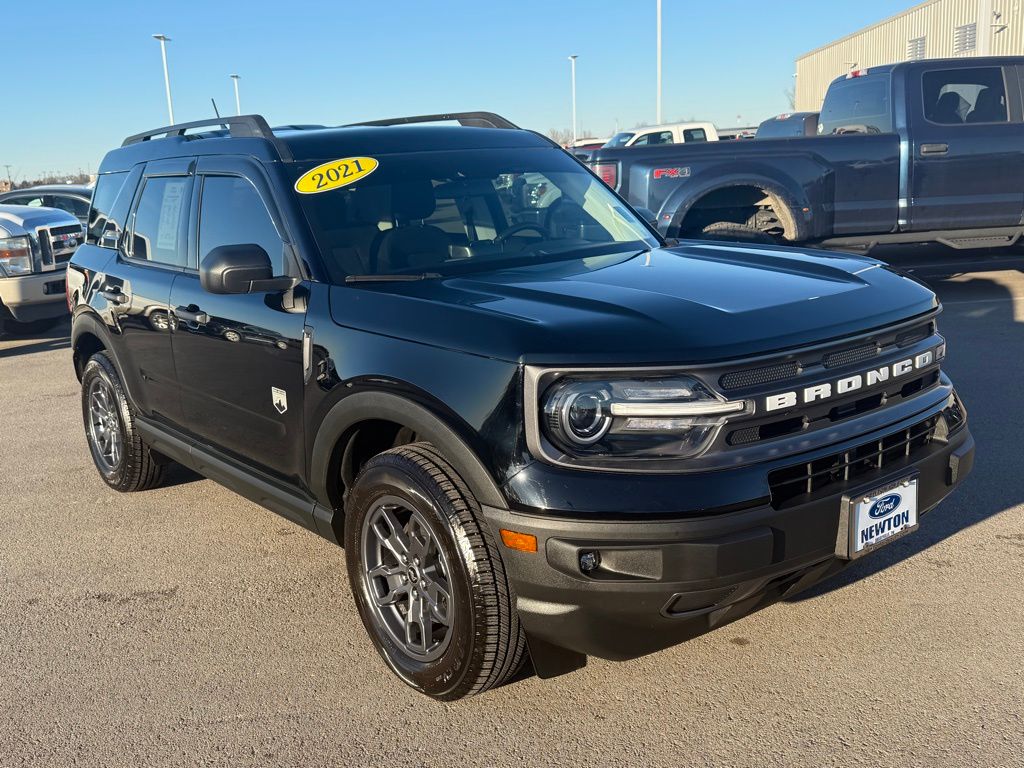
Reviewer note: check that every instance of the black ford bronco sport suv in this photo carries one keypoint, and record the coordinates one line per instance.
(535, 425)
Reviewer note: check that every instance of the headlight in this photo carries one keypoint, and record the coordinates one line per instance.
(673, 417)
(16, 255)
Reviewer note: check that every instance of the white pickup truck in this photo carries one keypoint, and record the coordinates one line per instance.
(35, 246)
(670, 133)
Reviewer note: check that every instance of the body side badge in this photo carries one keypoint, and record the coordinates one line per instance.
(280, 399)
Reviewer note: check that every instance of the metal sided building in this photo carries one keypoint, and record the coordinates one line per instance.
(930, 30)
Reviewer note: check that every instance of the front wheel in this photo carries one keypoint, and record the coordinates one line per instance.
(124, 460)
(427, 576)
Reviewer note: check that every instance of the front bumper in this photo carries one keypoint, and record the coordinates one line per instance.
(661, 582)
(34, 297)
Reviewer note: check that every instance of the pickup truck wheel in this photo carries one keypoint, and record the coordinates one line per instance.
(728, 230)
(428, 578)
(122, 457)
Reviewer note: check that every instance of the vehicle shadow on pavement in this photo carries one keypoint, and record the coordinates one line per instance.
(985, 333)
(15, 344)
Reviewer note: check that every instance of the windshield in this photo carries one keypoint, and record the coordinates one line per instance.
(456, 212)
(619, 139)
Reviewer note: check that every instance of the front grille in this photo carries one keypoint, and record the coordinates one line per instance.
(851, 356)
(59, 244)
(812, 477)
(753, 377)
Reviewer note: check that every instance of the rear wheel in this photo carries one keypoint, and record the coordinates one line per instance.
(741, 233)
(124, 460)
(428, 578)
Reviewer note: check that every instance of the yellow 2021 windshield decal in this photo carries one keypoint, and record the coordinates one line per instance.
(335, 174)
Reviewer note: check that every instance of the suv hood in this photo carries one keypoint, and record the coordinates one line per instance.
(23, 219)
(695, 303)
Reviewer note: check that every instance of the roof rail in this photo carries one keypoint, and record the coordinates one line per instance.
(242, 126)
(471, 119)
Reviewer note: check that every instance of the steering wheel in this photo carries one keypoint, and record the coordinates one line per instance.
(517, 228)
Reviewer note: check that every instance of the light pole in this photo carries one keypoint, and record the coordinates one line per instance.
(164, 39)
(572, 59)
(658, 110)
(238, 104)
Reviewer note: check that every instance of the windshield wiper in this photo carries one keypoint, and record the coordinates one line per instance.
(391, 278)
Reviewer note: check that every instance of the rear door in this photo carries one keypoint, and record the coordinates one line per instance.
(137, 286)
(966, 147)
(239, 357)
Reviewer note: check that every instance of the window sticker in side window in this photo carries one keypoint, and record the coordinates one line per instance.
(335, 174)
(170, 216)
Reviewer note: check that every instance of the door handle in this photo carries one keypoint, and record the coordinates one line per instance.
(934, 149)
(115, 295)
(198, 317)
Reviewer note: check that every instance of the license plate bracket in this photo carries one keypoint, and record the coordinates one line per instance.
(874, 516)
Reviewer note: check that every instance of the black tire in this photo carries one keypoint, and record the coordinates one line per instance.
(136, 468)
(485, 644)
(739, 233)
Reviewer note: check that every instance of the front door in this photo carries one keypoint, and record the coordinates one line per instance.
(239, 357)
(968, 164)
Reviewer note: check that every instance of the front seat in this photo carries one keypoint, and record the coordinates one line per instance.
(411, 244)
(947, 109)
(988, 107)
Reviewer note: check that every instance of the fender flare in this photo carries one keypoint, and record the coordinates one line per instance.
(88, 322)
(789, 195)
(362, 406)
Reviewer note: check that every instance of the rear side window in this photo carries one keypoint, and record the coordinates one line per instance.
(103, 197)
(159, 229)
(31, 200)
(857, 105)
(231, 212)
(969, 95)
(694, 134)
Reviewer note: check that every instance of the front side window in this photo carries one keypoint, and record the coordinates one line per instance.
(969, 95)
(658, 137)
(857, 105)
(76, 206)
(231, 212)
(620, 139)
(158, 233)
(468, 211)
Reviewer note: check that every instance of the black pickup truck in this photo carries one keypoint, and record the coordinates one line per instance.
(913, 152)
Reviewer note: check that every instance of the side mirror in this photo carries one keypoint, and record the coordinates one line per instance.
(240, 269)
(648, 215)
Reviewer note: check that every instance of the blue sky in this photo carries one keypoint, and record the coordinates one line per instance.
(78, 87)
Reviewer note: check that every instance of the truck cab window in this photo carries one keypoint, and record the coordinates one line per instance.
(969, 95)
(659, 137)
(694, 134)
(857, 105)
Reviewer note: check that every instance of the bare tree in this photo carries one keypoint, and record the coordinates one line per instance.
(561, 136)
(791, 97)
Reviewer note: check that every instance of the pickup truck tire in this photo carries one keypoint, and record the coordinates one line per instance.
(741, 233)
(122, 457)
(427, 576)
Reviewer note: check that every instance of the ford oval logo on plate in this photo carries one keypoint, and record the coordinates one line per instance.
(885, 505)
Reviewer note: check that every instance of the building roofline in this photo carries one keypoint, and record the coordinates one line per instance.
(868, 28)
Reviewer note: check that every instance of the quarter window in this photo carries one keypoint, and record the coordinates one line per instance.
(158, 234)
(233, 213)
(969, 95)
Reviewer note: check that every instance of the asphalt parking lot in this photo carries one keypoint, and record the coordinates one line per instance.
(187, 626)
